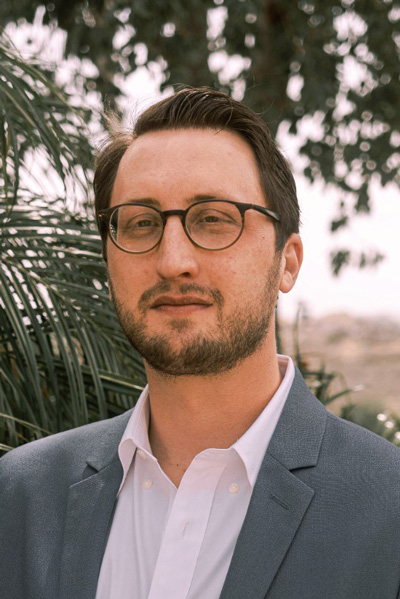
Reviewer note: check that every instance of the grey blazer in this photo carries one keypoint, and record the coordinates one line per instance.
(323, 521)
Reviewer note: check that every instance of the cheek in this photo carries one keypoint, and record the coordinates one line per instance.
(226, 270)
(131, 277)
(124, 274)
(116, 270)
(237, 276)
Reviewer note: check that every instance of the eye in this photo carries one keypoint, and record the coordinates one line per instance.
(215, 217)
(209, 216)
(133, 223)
(142, 222)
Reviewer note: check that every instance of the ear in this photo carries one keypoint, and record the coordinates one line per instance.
(292, 258)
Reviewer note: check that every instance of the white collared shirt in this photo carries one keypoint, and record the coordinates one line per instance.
(169, 543)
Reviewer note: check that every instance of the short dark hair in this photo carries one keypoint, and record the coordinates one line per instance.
(205, 108)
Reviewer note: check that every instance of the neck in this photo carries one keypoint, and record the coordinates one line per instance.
(191, 414)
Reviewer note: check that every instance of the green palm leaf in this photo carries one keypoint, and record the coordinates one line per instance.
(64, 360)
(35, 116)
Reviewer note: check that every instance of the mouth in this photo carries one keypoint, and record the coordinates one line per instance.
(179, 304)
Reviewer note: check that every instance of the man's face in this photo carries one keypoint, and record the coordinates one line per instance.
(187, 310)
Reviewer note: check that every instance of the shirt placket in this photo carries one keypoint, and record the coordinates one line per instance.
(186, 526)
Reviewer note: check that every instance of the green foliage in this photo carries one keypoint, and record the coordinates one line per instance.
(35, 115)
(384, 424)
(332, 66)
(63, 359)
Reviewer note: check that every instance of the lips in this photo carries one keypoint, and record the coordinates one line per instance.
(183, 300)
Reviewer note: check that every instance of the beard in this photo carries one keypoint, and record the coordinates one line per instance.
(232, 340)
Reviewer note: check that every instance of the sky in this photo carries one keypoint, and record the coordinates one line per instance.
(372, 291)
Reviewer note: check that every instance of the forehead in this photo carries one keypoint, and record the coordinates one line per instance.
(186, 162)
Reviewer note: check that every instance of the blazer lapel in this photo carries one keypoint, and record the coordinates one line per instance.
(280, 499)
(90, 506)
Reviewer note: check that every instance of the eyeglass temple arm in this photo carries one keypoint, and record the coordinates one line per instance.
(265, 211)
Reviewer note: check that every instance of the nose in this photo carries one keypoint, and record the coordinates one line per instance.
(177, 257)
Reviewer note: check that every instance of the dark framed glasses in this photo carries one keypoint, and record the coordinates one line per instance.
(209, 224)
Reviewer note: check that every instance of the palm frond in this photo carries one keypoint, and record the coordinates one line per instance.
(64, 360)
(35, 116)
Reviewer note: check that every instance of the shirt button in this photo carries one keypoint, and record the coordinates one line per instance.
(148, 484)
(233, 488)
(142, 454)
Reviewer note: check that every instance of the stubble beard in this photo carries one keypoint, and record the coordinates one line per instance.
(231, 341)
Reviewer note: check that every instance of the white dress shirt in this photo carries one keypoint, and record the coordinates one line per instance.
(169, 543)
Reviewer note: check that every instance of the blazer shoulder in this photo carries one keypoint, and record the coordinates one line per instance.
(354, 448)
(66, 450)
(357, 435)
(305, 416)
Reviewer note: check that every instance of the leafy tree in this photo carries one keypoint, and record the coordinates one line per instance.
(328, 69)
(63, 359)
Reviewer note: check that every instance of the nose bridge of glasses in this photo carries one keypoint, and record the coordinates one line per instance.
(181, 213)
(165, 214)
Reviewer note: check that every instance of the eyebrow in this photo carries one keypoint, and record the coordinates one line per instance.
(153, 202)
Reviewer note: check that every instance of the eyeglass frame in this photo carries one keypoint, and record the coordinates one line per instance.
(241, 206)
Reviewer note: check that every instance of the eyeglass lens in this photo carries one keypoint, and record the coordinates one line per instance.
(211, 225)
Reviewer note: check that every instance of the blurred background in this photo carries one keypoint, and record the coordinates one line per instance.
(326, 80)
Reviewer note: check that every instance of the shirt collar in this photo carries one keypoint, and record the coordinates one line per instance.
(136, 435)
(253, 444)
(250, 447)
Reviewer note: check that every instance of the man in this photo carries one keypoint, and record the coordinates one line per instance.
(228, 479)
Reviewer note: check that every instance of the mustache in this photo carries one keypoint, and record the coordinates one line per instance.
(183, 289)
